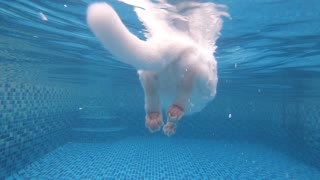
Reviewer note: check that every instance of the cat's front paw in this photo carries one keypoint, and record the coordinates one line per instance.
(170, 128)
(174, 113)
(154, 121)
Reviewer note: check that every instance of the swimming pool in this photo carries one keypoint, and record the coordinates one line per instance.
(71, 110)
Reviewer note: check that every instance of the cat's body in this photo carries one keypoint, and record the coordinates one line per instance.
(176, 73)
(179, 87)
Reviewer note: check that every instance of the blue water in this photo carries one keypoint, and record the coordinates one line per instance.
(71, 110)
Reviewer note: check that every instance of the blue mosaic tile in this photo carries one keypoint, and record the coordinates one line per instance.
(33, 120)
(166, 158)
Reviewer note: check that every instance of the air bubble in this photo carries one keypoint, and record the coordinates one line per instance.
(43, 17)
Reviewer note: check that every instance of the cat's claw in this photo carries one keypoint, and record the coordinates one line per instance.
(154, 121)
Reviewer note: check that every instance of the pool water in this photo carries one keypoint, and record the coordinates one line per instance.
(71, 110)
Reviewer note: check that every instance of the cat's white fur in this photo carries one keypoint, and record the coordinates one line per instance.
(176, 72)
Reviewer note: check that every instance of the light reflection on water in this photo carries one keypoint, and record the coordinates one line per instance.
(267, 43)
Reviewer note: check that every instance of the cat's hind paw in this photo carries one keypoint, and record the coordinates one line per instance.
(169, 129)
(174, 113)
(154, 121)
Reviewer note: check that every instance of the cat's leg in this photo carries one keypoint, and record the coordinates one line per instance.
(152, 101)
(176, 110)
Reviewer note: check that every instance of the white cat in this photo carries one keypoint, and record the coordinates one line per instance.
(175, 64)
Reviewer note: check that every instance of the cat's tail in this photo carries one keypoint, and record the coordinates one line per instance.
(109, 29)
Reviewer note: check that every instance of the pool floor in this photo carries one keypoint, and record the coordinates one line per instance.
(166, 158)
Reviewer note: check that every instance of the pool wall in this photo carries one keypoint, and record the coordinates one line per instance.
(36, 119)
(33, 121)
